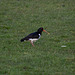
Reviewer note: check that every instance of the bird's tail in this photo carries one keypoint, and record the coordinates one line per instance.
(22, 40)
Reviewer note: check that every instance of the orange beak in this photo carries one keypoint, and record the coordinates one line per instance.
(46, 31)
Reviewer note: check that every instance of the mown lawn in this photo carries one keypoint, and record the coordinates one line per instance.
(53, 54)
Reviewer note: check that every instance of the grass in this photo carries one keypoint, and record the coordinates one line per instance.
(18, 18)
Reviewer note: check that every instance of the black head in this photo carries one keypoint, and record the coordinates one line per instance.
(40, 30)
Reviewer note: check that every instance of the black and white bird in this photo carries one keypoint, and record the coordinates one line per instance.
(34, 36)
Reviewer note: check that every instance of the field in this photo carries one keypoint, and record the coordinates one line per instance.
(53, 54)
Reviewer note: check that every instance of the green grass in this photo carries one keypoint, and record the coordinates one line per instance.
(18, 18)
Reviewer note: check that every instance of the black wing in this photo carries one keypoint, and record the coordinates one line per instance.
(32, 35)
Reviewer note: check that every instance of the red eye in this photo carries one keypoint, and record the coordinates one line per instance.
(41, 28)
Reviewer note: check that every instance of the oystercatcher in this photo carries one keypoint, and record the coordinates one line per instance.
(34, 36)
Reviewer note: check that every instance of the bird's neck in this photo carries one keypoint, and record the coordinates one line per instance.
(40, 33)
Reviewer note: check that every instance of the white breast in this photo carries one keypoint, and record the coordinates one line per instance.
(39, 35)
(33, 40)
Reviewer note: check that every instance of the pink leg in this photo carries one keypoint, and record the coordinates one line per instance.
(32, 43)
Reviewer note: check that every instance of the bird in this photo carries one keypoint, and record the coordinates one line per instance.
(33, 37)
